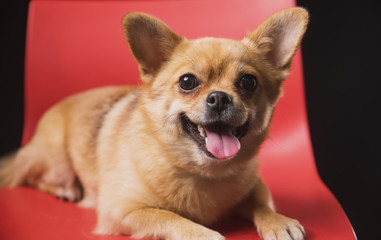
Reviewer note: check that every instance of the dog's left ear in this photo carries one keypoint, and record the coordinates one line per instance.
(150, 40)
(279, 36)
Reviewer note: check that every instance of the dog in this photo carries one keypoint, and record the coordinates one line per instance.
(172, 156)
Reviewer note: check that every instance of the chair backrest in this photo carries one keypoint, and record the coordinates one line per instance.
(74, 45)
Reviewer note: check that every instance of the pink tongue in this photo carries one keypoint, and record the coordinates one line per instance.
(221, 143)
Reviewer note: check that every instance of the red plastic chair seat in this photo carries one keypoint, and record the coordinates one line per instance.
(76, 45)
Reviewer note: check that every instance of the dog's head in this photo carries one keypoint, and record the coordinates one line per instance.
(213, 98)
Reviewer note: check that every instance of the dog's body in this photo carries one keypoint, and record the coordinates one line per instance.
(180, 149)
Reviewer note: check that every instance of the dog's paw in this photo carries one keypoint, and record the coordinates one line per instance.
(208, 234)
(198, 233)
(279, 227)
(72, 193)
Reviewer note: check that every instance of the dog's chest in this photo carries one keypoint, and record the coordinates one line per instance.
(202, 200)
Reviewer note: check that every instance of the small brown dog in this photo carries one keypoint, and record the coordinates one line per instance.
(159, 160)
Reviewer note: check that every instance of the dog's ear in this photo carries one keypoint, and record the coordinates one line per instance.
(279, 36)
(150, 40)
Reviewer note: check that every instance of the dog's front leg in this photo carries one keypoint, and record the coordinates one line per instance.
(258, 207)
(159, 224)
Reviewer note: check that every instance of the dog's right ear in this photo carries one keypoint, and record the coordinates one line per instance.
(150, 40)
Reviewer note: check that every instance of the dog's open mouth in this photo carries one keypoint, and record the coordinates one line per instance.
(217, 140)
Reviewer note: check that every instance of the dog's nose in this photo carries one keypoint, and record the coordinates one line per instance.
(218, 101)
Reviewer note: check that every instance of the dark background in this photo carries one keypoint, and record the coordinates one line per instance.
(342, 66)
(342, 63)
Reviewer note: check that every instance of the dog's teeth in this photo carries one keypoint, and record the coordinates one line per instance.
(234, 131)
(206, 140)
(201, 130)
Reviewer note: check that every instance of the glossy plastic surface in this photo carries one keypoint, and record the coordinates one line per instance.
(76, 45)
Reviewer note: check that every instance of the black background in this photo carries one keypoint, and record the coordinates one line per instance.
(341, 53)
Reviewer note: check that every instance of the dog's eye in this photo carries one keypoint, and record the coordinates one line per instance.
(248, 82)
(188, 82)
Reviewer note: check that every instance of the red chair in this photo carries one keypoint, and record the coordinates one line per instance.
(76, 45)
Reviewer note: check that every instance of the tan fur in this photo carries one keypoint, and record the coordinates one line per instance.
(127, 149)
